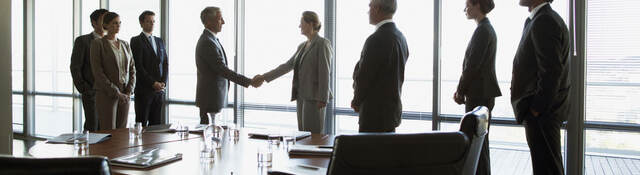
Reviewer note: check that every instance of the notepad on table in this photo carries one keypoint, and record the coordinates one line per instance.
(146, 158)
(68, 138)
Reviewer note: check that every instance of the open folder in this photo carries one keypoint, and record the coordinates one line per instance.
(68, 138)
(146, 158)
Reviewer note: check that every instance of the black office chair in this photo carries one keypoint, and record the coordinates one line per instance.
(435, 152)
(54, 166)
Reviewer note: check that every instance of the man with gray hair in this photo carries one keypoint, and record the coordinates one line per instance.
(379, 74)
(211, 62)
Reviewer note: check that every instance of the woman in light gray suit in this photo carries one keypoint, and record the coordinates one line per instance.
(310, 65)
(115, 75)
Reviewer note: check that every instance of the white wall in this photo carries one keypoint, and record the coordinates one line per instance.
(6, 129)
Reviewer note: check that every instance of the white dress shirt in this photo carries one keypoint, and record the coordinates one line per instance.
(383, 22)
(535, 10)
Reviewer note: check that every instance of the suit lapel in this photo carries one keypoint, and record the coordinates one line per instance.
(304, 50)
(148, 43)
(213, 39)
(109, 52)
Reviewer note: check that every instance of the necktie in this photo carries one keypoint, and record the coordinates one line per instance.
(153, 44)
(224, 54)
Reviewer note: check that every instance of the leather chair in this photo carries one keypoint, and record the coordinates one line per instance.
(437, 152)
(54, 166)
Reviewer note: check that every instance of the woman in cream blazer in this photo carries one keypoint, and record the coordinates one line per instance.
(311, 68)
(114, 72)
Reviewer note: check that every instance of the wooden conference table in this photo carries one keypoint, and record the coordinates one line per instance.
(236, 157)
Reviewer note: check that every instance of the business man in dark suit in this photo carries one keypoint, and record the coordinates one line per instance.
(478, 84)
(81, 69)
(541, 83)
(379, 74)
(152, 68)
(213, 74)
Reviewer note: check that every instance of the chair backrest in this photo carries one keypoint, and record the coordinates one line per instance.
(435, 152)
(54, 166)
(474, 124)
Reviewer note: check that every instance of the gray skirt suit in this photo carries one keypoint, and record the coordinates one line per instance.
(311, 67)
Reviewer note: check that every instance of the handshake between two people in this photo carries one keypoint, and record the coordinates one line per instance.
(257, 81)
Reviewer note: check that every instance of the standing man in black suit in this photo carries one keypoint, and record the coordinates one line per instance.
(213, 74)
(541, 83)
(152, 67)
(379, 74)
(81, 69)
(478, 84)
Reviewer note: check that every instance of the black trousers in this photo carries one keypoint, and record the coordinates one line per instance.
(89, 107)
(484, 165)
(148, 107)
(543, 137)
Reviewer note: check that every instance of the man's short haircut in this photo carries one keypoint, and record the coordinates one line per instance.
(208, 13)
(95, 15)
(388, 7)
(145, 14)
(485, 5)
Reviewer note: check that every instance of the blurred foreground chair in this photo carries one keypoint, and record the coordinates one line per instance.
(54, 166)
(438, 152)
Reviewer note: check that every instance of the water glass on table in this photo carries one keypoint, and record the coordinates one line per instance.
(81, 142)
(182, 131)
(135, 131)
(265, 156)
(288, 138)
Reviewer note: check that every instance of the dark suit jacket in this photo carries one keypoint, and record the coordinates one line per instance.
(81, 63)
(541, 68)
(378, 78)
(150, 66)
(213, 74)
(478, 77)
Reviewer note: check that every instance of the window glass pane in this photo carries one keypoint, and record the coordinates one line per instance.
(17, 109)
(415, 20)
(129, 12)
(16, 45)
(613, 62)
(282, 41)
(183, 40)
(189, 114)
(270, 119)
(88, 6)
(507, 19)
(53, 44)
(53, 116)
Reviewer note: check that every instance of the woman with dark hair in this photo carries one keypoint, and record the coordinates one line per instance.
(311, 67)
(113, 68)
(478, 84)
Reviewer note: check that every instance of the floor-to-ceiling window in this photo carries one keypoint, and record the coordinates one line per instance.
(272, 37)
(16, 62)
(129, 12)
(185, 27)
(613, 76)
(53, 42)
(507, 19)
(415, 20)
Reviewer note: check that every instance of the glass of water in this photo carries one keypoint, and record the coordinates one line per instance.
(81, 141)
(288, 138)
(135, 131)
(265, 156)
